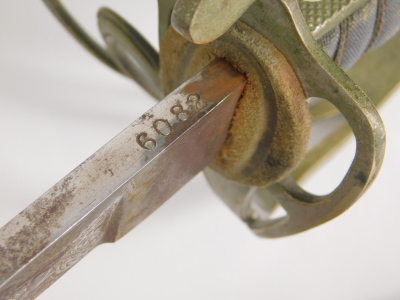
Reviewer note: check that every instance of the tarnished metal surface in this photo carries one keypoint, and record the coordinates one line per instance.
(127, 179)
(203, 21)
(319, 77)
(377, 74)
(200, 21)
(323, 15)
(165, 8)
(119, 185)
(130, 51)
(79, 34)
(270, 129)
(127, 52)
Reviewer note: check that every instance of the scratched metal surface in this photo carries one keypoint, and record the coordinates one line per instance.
(323, 15)
(121, 184)
(59, 105)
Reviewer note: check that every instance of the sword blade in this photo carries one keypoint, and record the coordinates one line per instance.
(119, 185)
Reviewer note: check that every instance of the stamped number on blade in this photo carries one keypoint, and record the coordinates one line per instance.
(163, 127)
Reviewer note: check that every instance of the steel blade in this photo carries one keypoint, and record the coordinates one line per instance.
(119, 185)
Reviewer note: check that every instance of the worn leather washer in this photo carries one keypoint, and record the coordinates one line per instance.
(270, 130)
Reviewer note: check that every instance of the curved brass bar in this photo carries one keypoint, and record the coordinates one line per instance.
(377, 74)
(319, 77)
(79, 34)
(323, 110)
(131, 52)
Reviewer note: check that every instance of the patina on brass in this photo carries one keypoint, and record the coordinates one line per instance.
(80, 34)
(269, 133)
(282, 24)
(377, 73)
(130, 51)
(320, 77)
(203, 21)
(127, 179)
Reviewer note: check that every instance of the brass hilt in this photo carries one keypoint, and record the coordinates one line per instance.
(283, 133)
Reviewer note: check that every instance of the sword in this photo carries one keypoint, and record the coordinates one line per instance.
(83, 225)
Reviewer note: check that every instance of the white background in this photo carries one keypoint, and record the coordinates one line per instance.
(58, 105)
